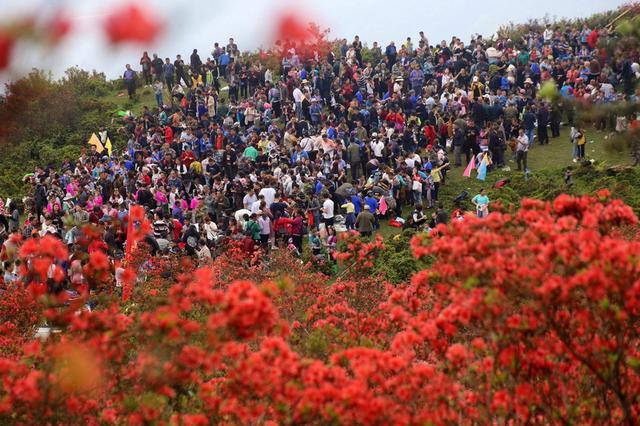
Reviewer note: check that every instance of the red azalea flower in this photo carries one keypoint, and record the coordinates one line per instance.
(291, 27)
(59, 27)
(132, 24)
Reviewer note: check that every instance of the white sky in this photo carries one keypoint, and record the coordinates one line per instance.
(197, 24)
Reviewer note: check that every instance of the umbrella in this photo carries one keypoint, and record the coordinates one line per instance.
(345, 190)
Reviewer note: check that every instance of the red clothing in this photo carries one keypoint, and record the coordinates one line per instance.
(177, 230)
(283, 224)
(592, 39)
(168, 134)
(248, 245)
(187, 158)
(220, 142)
(430, 134)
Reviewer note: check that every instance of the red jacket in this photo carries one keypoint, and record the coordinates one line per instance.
(168, 134)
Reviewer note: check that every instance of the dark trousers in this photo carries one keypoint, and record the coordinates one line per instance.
(297, 241)
(498, 157)
(555, 128)
(521, 159)
(354, 170)
(131, 87)
(183, 77)
(543, 135)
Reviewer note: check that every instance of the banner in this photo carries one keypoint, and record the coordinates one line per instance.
(482, 169)
(471, 166)
(108, 146)
(93, 140)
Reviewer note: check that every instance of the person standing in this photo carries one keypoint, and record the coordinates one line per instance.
(168, 71)
(528, 124)
(522, 149)
(555, 115)
(265, 228)
(365, 222)
(327, 210)
(157, 88)
(145, 62)
(579, 140)
(350, 218)
(353, 154)
(481, 201)
(156, 66)
(180, 72)
(392, 54)
(458, 142)
(130, 79)
(297, 225)
(196, 63)
(543, 121)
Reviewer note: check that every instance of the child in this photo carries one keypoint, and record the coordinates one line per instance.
(350, 218)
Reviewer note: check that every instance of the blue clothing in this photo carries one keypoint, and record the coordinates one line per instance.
(357, 203)
(372, 203)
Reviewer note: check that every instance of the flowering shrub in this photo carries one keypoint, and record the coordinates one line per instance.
(527, 316)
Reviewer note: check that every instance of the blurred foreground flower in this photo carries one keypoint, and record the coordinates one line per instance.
(291, 27)
(6, 47)
(131, 23)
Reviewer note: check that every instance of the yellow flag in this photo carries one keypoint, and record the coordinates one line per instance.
(107, 145)
(96, 142)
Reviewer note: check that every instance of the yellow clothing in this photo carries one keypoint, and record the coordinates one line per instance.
(436, 175)
(350, 207)
(196, 166)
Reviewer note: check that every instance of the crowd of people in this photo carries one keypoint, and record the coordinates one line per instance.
(325, 142)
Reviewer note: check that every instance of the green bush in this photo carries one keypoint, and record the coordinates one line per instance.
(48, 121)
(396, 263)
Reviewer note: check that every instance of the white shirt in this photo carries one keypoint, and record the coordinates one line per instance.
(211, 229)
(255, 206)
(377, 148)
(269, 195)
(239, 215)
(248, 200)
(327, 209)
(297, 95)
(265, 225)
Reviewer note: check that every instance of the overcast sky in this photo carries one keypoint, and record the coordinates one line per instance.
(197, 24)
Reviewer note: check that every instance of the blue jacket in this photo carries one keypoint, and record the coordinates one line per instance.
(372, 203)
(357, 203)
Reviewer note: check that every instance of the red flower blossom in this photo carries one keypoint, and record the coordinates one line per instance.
(290, 27)
(6, 49)
(131, 23)
(59, 26)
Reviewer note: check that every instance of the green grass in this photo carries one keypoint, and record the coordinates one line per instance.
(548, 158)
(144, 97)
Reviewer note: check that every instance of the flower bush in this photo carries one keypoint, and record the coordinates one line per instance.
(527, 316)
